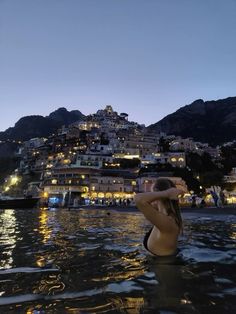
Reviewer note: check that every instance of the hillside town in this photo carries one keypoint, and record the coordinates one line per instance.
(105, 159)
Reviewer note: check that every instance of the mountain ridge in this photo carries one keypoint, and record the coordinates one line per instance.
(211, 121)
(39, 126)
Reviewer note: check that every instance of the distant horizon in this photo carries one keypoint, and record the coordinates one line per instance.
(146, 57)
(114, 108)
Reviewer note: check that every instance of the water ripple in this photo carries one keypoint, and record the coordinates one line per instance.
(91, 262)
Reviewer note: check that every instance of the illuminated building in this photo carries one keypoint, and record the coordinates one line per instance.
(91, 160)
(67, 184)
(184, 144)
(176, 159)
(88, 184)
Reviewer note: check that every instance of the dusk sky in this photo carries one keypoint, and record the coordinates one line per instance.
(144, 57)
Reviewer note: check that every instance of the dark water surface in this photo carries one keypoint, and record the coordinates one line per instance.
(93, 261)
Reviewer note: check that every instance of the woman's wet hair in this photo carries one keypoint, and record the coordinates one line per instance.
(163, 184)
(172, 208)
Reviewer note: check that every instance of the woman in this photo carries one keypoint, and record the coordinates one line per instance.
(161, 208)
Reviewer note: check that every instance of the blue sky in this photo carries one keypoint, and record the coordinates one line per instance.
(144, 57)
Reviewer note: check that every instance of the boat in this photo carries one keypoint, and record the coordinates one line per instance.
(18, 203)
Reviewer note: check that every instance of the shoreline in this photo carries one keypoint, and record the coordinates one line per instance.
(226, 210)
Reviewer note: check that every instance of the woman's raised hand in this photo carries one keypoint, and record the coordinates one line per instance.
(173, 193)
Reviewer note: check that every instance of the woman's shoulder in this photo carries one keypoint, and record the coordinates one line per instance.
(170, 221)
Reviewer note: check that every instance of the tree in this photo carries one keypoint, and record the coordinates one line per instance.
(211, 178)
(129, 163)
(7, 165)
(228, 158)
(104, 140)
(200, 163)
(192, 183)
(83, 136)
(164, 145)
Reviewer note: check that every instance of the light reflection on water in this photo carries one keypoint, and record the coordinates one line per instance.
(93, 262)
(8, 237)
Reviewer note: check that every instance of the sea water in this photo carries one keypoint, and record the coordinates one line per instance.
(93, 261)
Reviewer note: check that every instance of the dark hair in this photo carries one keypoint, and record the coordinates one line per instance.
(172, 208)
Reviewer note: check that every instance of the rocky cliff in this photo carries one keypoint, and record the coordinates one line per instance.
(39, 126)
(212, 122)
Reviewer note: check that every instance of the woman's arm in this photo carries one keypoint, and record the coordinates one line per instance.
(150, 197)
(143, 202)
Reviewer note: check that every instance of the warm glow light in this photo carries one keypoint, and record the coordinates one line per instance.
(14, 180)
(8, 236)
(44, 230)
(231, 200)
(131, 156)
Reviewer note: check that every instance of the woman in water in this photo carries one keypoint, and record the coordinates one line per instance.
(161, 208)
